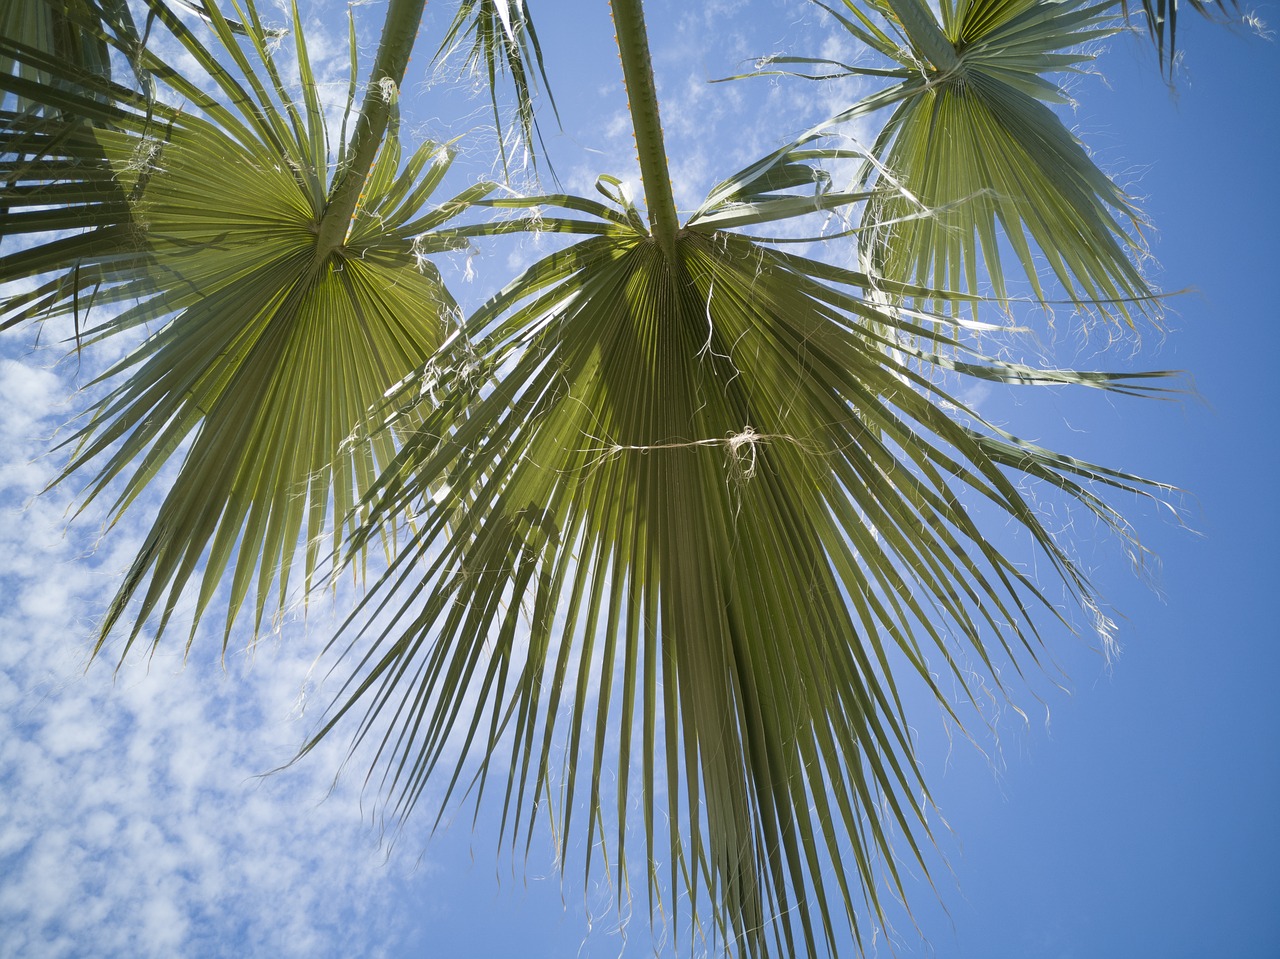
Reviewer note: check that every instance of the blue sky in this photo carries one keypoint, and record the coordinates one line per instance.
(1130, 815)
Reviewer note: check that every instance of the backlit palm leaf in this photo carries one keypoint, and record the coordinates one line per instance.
(693, 533)
(976, 159)
(689, 512)
(270, 351)
(692, 507)
(56, 29)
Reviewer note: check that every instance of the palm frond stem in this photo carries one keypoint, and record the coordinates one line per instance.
(923, 32)
(642, 98)
(394, 48)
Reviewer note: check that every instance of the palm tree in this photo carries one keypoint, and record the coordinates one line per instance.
(675, 502)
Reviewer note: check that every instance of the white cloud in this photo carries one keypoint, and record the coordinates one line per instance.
(132, 819)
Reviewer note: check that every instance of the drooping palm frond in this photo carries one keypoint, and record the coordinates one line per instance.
(972, 157)
(271, 347)
(503, 42)
(1161, 17)
(687, 519)
(688, 509)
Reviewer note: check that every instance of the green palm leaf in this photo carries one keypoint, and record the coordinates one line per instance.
(271, 347)
(685, 507)
(977, 163)
(56, 29)
(688, 518)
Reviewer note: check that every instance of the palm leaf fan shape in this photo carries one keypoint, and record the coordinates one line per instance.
(272, 344)
(973, 163)
(700, 512)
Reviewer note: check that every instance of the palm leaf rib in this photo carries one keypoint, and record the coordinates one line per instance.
(398, 34)
(642, 98)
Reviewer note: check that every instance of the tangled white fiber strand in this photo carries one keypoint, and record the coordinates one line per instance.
(388, 90)
(740, 449)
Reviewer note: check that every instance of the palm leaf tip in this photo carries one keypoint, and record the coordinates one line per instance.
(503, 43)
(1161, 20)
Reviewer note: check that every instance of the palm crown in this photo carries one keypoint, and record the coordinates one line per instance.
(675, 501)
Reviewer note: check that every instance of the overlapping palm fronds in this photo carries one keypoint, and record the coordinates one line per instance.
(691, 536)
(211, 218)
(58, 30)
(687, 508)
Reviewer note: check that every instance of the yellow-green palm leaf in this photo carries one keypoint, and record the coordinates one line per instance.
(675, 517)
(269, 350)
(973, 163)
(687, 508)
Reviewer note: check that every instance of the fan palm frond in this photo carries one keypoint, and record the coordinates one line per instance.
(973, 163)
(272, 344)
(689, 511)
(687, 508)
(701, 512)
